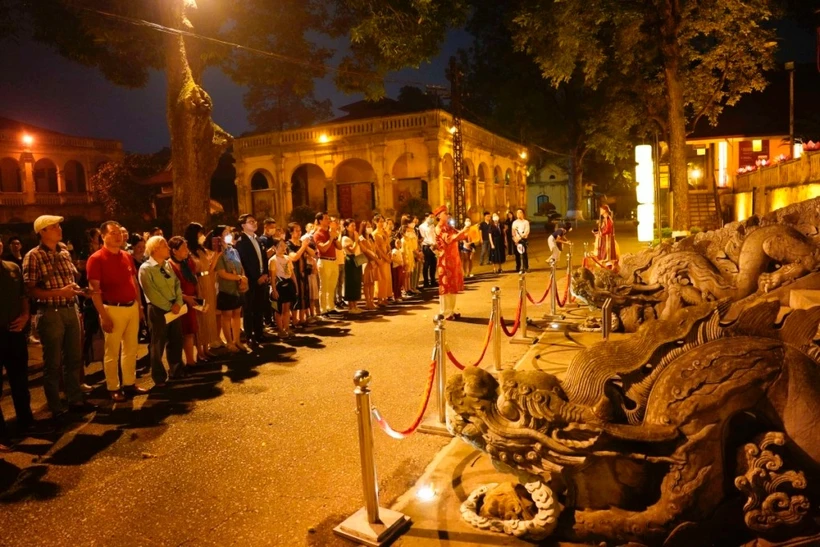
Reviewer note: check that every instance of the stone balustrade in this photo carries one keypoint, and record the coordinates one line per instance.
(46, 140)
(803, 170)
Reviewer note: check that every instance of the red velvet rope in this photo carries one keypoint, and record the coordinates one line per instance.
(562, 303)
(511, 333)
(483, 352)
(410, 430)
(546, 293)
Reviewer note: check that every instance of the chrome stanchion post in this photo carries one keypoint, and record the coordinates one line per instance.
(606, 318)
(370, 525)
(438, 426)
(521, 337)
(441, 371)
(553, 288)
(496, 317)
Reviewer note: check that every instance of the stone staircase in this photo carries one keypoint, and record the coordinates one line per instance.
(702, 211)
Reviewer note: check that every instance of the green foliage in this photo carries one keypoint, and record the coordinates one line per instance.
(117, 186)
(695, 229)
(303, 214)
(414, 207)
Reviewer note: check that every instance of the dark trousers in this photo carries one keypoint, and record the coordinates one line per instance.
(14, 359)
(59, 330)
(397, 277)
(164, 337)
(522, 259)
(429, 269)
(253, 310)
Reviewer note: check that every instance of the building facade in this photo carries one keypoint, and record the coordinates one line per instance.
(45, 172)
(357, 167)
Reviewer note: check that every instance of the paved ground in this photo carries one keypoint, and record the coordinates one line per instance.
(255, 451)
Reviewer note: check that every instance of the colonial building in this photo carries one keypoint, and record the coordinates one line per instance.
(45, 172)
(361, 164)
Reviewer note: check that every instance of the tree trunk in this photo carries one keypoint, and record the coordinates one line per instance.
(575, 192)
(676, 117)
(196, 142)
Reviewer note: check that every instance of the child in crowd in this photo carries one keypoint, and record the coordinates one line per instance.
(283, 287)
(397, 271)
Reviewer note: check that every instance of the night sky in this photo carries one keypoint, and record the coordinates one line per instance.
(41, 88)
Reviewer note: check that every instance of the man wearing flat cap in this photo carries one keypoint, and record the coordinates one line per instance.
(50, 278)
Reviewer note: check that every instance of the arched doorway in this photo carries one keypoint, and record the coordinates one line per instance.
(509, 189)
(10, 177)
(74, 177)
(308, 187)
(45, 176)
(447, 178)
(263, 200)
(355, 182)
(469, 185)
(498, 190)
(408, 175)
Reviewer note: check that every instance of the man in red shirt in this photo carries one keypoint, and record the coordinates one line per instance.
(327, 241)
(112, 276)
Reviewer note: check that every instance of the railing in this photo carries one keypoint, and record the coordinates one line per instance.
(43, 139)
(50, 198)
(431, 119)
(802, 170)
(12, 199)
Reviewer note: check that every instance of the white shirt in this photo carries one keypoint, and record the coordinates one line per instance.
(428, 234)
(521, 229)
(258, 251)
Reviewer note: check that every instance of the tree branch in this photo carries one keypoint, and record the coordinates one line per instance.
(708, 103)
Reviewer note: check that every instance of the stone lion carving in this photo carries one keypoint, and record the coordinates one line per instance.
(656, 438)
(742, 262)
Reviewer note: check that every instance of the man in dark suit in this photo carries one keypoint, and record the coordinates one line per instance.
(254, 262)
(266, 242)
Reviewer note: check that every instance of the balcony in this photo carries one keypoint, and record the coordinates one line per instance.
(18, 199)
(803, 170)
(12, 199)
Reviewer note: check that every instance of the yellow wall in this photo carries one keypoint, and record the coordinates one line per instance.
(781, 197)
(743, 206)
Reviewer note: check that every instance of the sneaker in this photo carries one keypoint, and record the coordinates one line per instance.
(85, 388)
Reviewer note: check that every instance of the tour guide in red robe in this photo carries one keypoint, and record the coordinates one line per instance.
(607, 247)
(449, 272)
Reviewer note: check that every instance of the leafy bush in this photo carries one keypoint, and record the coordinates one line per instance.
(415, 207)
(304, 215)
(695, 229)
(666, 232)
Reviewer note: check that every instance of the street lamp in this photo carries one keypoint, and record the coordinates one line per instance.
(323, 138)
(27, 139)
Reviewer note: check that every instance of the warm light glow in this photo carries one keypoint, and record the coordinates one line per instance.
(645, 191)
(28, 140)
(781, 197)
(701, 151)
(757, 145)
(426, 493)
(696, 173)
(452, 129)
(743, 206)
(723, 164)
(323, 138)
(797, 153)
(523, 155)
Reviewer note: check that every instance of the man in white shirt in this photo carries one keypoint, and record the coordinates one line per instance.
(521, 233)
(427, 230)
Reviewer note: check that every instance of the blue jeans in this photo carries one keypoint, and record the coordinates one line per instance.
(59, 330)
(485, 252)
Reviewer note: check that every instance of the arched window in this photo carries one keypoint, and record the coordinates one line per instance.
(74, 177)
(10, 177)
(259, 181)
(542, 199)
(45, 176)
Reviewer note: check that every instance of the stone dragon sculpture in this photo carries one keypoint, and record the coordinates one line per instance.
(691, 430)
(742, 262)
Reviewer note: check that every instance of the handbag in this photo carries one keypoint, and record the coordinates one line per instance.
(360, 259)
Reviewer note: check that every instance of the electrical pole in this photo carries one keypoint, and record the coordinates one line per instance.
(460, 206)
(790, 68)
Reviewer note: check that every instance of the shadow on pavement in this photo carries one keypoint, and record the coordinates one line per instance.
(18, 485)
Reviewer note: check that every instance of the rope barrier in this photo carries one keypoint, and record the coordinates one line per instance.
(546, 293)
(483, 352)
(562, 303)
(511, 333)
(410, 430)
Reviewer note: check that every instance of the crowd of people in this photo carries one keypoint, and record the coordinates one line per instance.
(230, 288)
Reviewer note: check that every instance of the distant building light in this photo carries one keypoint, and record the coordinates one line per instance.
(28, 140)
(701, 151)
(323, 138)
(757, 145)
(723, 164)
(452, 129)
(523, 155)
(797, 153)
(645, 190)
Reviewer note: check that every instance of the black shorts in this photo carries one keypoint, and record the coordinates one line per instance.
(286, 290)
(228, 302)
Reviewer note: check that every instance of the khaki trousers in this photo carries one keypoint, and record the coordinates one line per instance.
(121, 346)
(328, 279)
